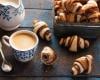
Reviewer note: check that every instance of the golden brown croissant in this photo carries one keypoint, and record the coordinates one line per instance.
(77, 11)
(57, 3)
(73, 43)
(48, 55)
(61, 17)
(41, 28)
(95, 17)
(91, 11)
(90, 6)
(82, 65)
(73, 6)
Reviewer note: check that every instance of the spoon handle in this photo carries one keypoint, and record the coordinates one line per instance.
(3, 57)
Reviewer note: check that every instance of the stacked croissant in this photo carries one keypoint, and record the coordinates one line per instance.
(77, 11)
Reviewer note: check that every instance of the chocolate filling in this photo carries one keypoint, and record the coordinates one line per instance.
(75, 18)
(47, 33)
(78, 9)
(78, 42)
(45, 57)
(81, 65)
(40, 29)
(70, 41)
(53, 59)
(77, 68)
(85, 44)
(87, 63)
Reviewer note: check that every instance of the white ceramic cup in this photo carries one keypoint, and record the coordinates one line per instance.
(21, 55)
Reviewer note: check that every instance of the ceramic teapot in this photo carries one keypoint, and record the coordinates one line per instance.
(12, 13)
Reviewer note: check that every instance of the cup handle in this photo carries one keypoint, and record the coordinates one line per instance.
(5, 41)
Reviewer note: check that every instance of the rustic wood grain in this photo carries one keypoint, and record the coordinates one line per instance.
(62, 67)
(48, 78)
(42, 9)
(31, 14)
(41, 4)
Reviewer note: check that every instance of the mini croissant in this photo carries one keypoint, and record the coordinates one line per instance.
(48, 55)
(41, 28)
(77, 11)
(73, 6)
(82, 65)
(91, 10)
(74, 43)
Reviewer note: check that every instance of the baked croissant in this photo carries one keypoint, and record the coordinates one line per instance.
(41, 28)
(90, 6)
(82, 65)
(61, 17)
(57, 4)
(48, 55)
(73, 43)
(73, 6)
(91, 10)
(59, 12)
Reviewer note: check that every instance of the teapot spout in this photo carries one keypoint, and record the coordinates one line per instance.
(14, 3)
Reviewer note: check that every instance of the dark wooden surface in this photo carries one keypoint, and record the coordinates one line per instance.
(42, 10)
(62, 67)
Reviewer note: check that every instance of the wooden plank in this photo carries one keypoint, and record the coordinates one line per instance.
(45, 15)
(42, 4)
(36, 78)
(48, 78)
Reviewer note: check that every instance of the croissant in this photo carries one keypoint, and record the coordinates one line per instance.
(95, 17)
(74, 43)
(41, 28)
(73, 6)
(82, 65)
(59, 12)
(91, 10)
(48, 55)
(57, 4)
(61, 17)
(90, 6)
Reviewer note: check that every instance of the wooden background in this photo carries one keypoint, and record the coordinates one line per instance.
(38, 9)
(42, 10)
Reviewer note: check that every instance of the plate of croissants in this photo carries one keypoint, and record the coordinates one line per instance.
(80, 17)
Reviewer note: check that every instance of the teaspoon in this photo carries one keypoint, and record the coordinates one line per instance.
(6, 67)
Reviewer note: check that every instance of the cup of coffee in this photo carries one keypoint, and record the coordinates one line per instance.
(23, 44)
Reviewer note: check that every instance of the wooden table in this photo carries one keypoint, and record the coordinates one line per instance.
(42, 10)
